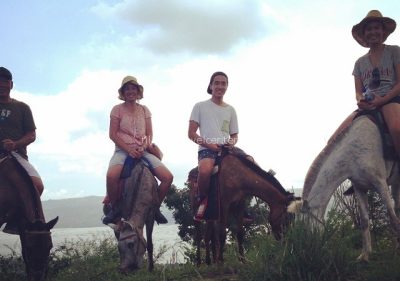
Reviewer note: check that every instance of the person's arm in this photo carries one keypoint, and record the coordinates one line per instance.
(196, 138)
(233, 139)
(11, 145)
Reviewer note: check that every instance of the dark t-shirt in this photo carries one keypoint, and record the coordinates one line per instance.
(15, 121)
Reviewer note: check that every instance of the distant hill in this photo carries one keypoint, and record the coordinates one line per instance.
(81, 212)
(87, 211)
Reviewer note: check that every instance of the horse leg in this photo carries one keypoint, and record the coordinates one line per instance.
(214, 242)
(197, 241)
(207, 240)
(222, 236)
(364, 221)
(240, 239)
(396, 197)
(149, 235)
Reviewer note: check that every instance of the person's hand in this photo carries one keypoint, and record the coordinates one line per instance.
(366, 105)
(214, 147)
(136, 152)
(8, 145)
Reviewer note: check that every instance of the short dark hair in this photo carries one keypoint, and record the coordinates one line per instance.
(212, 80)
(5, 74)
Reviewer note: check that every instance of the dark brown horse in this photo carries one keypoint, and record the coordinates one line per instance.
(20, 203)
(139, 205)
(239, 178)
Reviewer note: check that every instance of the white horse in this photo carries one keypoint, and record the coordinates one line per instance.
(356, 154)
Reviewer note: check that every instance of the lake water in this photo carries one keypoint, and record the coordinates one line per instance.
(162, 235)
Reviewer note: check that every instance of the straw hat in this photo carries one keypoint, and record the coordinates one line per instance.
(389, 25)
(132, 80)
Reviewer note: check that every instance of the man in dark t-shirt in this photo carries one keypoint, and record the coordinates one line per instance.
(17, 127)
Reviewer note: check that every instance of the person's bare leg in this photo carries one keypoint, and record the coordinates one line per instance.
(165, 177)
(391, 113)
(112, 181)
(37, 182)
(206, 166)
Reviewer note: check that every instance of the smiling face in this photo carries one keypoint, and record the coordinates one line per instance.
(374, 33)
(131, 92)
(218, 86)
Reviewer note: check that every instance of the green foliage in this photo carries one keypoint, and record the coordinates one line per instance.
(305, 253)
(310, 253)
(177, 200)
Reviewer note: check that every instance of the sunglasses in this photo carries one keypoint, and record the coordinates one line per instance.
(375, 81)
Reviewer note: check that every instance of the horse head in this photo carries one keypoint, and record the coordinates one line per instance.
(131, 247)
(36, 244)
(282, 216)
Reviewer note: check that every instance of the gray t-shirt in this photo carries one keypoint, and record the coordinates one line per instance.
(216, 123)
(363, 69)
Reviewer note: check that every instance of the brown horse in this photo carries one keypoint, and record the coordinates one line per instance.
(20, 203)
(138, 208)
(239, 178)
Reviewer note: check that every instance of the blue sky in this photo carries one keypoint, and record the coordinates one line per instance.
(289, 65)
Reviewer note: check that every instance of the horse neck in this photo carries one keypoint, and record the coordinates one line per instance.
(240, 178)
(21, 182)
(340, 160)
(145, 195)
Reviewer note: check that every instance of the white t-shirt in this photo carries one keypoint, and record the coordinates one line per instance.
(216, 123)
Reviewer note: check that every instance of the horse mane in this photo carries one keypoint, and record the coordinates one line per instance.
(316, 165)
(257, 169)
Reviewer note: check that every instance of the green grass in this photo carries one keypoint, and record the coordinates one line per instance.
(305, 254)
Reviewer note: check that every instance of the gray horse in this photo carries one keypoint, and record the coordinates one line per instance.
(356, 154)
(139, 205)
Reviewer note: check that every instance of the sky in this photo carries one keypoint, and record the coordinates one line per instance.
(289, 65)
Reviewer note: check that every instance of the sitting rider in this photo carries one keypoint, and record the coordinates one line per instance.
(17, 130)
(131, 131)
(377, 73)
(218, 125)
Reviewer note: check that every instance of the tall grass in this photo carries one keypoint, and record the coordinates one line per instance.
(319, 254)
(304, 254)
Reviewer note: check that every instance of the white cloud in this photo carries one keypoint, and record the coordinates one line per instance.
(291, 89)
(190, 26)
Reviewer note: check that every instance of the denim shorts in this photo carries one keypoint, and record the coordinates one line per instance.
(27, 166)
(207, 153)
(119, 157)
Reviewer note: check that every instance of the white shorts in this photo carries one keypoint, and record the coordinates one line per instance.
(27, 166)
(119, 157)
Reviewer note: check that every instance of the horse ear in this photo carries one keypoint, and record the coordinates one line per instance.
(52, 223)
